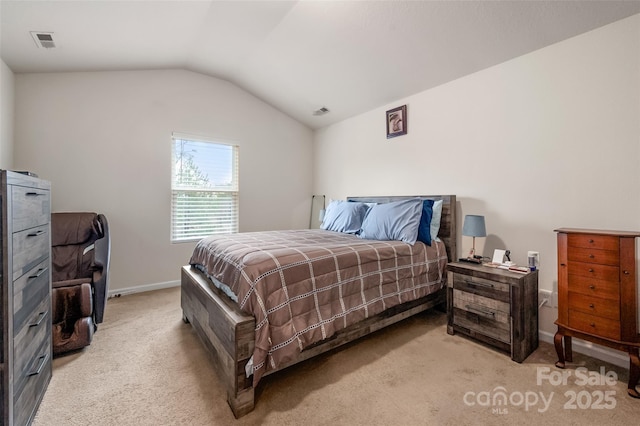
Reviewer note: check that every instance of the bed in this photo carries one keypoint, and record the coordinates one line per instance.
(271, 326)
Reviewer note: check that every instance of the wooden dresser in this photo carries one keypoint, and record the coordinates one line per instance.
(597, 294)
(25, 299)
(495, 306)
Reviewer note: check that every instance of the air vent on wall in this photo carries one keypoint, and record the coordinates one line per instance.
(43, 39)
(321, 111)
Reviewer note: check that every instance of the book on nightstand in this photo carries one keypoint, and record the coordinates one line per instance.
(509, 267)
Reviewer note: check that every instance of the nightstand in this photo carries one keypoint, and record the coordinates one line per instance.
(495, 306)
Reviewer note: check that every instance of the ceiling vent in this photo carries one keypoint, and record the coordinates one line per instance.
(321, 111)
(43, 39)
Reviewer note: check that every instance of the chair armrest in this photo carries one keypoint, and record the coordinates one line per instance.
(70, 283)
(101, 278)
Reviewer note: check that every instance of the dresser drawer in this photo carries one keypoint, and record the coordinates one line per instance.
(28, 341)
(594, 241)
(481, 286)
(483, 315)
(30, 247)
(589, 255)
(593, 287)
(30, 207)
(31, 366)
(28, 293)
(605, 308)
(30, 388)
(597, 272)
(594, 325)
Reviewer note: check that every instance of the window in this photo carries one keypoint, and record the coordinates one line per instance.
(204, 188)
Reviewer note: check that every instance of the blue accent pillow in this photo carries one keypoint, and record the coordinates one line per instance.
(435, 219)
(398, 220)
(344, 216)
(424, 230)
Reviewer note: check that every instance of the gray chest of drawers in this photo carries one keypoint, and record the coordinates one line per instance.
(495, 306)
(25, 299)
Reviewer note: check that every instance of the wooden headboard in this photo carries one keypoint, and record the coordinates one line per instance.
(447, 224)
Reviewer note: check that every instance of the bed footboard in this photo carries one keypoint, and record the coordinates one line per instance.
(227, 333)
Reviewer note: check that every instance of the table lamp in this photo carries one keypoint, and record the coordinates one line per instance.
(474, 227)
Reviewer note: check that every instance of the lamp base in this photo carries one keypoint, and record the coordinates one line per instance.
(470, 260)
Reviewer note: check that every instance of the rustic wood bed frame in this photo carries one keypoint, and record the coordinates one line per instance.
(228, 333)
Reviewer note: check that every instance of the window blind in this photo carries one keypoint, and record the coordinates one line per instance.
(204, 188)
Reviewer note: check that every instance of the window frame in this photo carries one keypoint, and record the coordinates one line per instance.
(175, 236)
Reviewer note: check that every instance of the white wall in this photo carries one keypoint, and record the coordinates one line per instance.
(6, 116)
(103, 139)
(547, 140)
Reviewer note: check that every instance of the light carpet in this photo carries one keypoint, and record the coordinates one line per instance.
(146, 367)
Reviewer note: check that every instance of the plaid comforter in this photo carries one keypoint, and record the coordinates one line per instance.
(302, 286)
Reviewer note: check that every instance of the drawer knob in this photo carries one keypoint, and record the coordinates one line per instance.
(625, 272)
(592, 324)
(591, 256)
(592, 287)
(591, 305)
(590, 270)
(35, 234)
(34, 194)
(591, 241)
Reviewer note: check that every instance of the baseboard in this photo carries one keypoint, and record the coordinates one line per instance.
(595, 351)
(142, 288)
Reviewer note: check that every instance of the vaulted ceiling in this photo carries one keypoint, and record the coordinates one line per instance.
(299, 56)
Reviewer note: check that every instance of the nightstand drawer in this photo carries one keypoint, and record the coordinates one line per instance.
(594, 241)
(481, 286)
(589, 255)
(594, 325)
(593, 287)
(483, 315)
(598, 272)
(605, 308)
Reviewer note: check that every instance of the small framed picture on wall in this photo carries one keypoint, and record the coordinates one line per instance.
(397, 122)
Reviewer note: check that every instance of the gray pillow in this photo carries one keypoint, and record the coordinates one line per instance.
(344, 216)
(398, 220)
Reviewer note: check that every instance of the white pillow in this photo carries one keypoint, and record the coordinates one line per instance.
(435, 220)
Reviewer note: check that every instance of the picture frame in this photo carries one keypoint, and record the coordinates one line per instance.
(397, 122)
